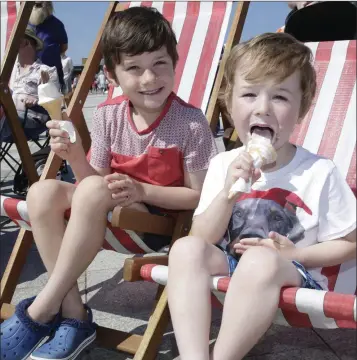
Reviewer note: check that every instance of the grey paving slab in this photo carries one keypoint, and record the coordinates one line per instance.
(342, 341)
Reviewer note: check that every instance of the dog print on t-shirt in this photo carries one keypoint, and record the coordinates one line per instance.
(257, 213)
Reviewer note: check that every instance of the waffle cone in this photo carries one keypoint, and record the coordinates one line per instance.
(54, 108)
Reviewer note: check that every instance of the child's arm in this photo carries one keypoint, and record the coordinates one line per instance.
(176, 198)
(328, 253)
(82, 168)
(128, 191)
(213, 222)
(73, 153)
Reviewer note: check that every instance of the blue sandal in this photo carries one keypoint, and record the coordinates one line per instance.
(20, 335)
(69, 340)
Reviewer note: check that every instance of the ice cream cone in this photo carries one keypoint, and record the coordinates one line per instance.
(54, 108)
(262, 153)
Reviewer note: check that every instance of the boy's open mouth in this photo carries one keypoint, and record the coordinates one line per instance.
(263, 131)
(151, 92)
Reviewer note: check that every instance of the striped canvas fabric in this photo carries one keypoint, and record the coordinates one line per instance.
(8, 14)
(329, 128)
(200, 29)
(297, 307)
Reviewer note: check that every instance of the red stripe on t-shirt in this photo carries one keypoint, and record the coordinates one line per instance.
(287, 304)
(322, 58)
(207, 54)
(168, 10)
(340, 104)
(11, 18)
(188, 29)
(163, 167)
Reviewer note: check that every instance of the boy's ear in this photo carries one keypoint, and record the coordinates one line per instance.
(110, 76)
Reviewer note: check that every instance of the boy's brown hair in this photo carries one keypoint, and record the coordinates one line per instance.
(271, 55)
(134, 31)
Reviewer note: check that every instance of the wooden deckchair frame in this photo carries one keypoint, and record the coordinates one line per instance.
(144, 347)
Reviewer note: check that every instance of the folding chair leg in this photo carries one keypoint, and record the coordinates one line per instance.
(155, 330)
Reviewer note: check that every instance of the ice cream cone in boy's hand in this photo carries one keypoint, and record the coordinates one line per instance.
(262, 152)
(51, 100)
(49, 97)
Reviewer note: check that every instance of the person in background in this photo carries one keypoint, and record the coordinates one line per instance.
(24, 81)
(53, 34)
(312, 21)
(75, 82)
(67, 66)
(101, 81)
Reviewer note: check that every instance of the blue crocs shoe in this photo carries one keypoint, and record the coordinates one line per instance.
(20, 335)
(69, 340)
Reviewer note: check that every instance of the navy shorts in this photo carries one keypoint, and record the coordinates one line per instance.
(307, 280)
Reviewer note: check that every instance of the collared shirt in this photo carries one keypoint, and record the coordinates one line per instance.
(27, 83)
(53, 34)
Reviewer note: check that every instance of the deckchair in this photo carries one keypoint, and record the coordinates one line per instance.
(329, 129)
(201, 27)
(10, 41)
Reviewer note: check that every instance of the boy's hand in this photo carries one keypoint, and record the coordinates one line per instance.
(275, 241)
(124, 189)
(60, 143)
(241, 167)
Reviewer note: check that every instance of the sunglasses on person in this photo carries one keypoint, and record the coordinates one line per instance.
(38, 5)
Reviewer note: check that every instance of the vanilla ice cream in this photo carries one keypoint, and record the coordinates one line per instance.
(51, 100)
(263, 153)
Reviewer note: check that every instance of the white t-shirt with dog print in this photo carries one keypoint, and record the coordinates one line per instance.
(307, 200)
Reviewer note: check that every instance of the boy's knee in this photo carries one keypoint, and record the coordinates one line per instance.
(188, 249)
(93, 190)
(261, 264)
(43, 191)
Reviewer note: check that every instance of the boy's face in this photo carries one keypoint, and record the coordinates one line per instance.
(146, 79)
(266, 108)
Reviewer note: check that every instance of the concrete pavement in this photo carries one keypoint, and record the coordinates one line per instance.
(126, 306)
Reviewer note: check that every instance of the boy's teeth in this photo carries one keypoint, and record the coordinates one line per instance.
(150, 92)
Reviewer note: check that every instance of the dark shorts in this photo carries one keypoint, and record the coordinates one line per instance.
(307, 280)
(153, 241)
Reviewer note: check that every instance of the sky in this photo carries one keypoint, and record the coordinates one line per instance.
(82, 21)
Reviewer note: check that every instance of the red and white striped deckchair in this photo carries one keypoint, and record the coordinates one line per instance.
(200, 28)
(8, 14)
(329, 129)
(9, 11)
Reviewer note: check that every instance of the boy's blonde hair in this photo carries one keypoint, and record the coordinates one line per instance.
(275, 56)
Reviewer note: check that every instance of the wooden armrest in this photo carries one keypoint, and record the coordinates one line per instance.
(132, 266)
(134, 220)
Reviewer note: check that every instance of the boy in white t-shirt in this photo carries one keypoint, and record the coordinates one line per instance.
(300, 213)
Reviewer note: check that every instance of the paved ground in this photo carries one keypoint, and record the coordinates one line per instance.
(126, 306)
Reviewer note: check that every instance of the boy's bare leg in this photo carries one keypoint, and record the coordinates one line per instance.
(47, 201)
(252, 301)
(191, 263)
(82, 239)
